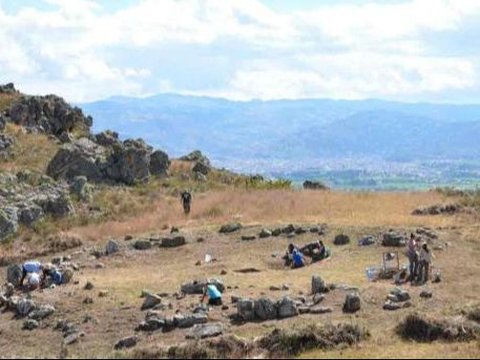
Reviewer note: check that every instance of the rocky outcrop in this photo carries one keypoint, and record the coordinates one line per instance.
(47, 114)
(107, 138)
(394, 239)
(159, 163)
(8, 89)
(3, 123)
(196, 156)
(81, 158)
(6, 143)
(128, 162)
(314, 185)
(24, 203)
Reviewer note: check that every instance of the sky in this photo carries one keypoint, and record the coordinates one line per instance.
(85, 50)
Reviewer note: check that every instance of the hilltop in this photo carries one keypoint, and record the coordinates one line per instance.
(108, 209)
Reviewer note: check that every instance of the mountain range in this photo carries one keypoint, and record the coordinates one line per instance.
(281, 135)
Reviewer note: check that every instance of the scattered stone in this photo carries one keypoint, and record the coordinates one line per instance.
(367, 240)
(30, 324)
(151, 300)
(173, 242)
(426, 294)
(248, 237)
(320, 310)
(112, 247)
(276, 232)
(265, 309)
(126, 343)
(200, 240)
(341, 240)
(286, 308)
(89, 286)
(72, 338)
(352, 303)
(318, 298)
(8, 222)
(246, 309)
(188, 320)
(25, 306)
(318, 285)
(265, 233)
(229, 228)
(247, 270)
(88, 300)
(142, 245)
(103, 293)
(394, 239)
(440, 209)
(399, 295)
(128, 237)
(202, 331)
(42, 312)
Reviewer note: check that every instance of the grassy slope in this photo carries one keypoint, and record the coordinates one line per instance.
(164, 270)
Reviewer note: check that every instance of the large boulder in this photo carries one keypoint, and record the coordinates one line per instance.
(48, 114)
(8, 222)
(130, 163)
(80, 158)
(151, 300)
(265, 309)
(159, 163)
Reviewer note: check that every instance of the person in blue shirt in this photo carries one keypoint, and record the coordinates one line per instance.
(31, 267)
(297, 259)
(214, 295)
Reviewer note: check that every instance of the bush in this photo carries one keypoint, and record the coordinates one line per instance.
(423, 329)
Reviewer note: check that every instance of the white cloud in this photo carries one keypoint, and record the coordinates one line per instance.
(241, 48)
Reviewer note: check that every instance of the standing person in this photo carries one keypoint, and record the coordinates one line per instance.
(412, 257)
(214, 295)
(425, 261)
(186, 199)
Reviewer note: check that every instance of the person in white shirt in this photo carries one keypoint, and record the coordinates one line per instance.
(425, 261)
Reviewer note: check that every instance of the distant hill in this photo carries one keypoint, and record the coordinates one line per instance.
(294, 128)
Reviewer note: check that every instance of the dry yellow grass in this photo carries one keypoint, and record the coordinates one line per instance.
(278, 206)
(163, 270)
(30, 151)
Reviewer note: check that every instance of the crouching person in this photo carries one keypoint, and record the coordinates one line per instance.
(32, 275)
(214, 295)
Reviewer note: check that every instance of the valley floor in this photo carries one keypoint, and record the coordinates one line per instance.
(125, 274)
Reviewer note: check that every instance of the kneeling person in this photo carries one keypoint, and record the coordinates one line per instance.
(214, 295)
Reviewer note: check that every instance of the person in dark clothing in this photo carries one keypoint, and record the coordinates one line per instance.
(186, 199)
